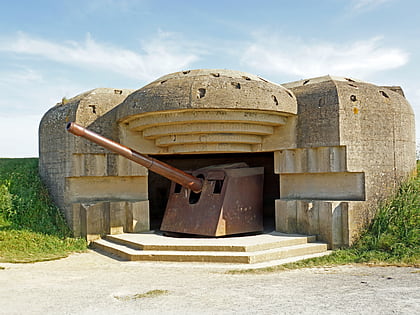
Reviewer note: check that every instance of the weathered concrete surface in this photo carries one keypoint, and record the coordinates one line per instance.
(249, 249)
(373, 125)
(95, 284)
(338, 147)
(58, 157)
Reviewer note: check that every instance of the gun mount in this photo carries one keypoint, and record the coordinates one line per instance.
(211, 201)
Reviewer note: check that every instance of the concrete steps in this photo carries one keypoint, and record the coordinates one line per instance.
(243, 250)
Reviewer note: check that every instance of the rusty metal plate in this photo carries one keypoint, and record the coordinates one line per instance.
(231, 202)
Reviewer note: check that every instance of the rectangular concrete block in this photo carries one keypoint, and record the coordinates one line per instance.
(323, 159)
(106, 188)
(323, 186)
(137, 216)
(117, 217)
(311, 160)
(328, 220)
(307, 217)
(95, 165)
(76, 224)
(89, 165)
(341, 226)
(333, 218)
(302, 215)
(338, 159)
(125, 167)
(288, 161)
(313, 163)
(325, 222)
(94, 219)
(78, 168)
(286, 216)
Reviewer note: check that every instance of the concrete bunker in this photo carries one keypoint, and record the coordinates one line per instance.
(335, 147)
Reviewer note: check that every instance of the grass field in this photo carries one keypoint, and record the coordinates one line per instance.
(32, 228)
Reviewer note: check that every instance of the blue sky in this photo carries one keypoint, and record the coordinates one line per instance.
(50, 49)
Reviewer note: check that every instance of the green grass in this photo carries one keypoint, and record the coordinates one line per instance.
(393, 237)
(148, 294)
(31, 227)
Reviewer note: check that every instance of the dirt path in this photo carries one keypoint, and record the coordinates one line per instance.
(94, 284)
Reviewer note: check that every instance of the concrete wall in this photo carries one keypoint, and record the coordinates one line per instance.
(339, 146)
(62, 155)
(353, 146)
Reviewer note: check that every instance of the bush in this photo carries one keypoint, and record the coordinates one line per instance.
(394, 234)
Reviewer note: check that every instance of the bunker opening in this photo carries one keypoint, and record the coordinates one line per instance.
(220, 194)
(161, 191)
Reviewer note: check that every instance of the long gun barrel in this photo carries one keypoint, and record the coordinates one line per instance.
(172, 173)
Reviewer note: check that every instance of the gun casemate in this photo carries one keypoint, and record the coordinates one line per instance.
(211, 201)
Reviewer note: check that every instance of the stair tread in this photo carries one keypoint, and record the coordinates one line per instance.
(151, 241)
(139, 252)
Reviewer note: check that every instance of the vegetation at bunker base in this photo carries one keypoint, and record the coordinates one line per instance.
(393, 237)
(31, 227)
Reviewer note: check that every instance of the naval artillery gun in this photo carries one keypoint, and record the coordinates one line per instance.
(216, 200)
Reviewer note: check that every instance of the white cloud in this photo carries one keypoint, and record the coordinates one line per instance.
(165, 53)
(366, 5)
(26, 91)
(31, 84)
(22, 76)
(24, 140)
(26, 96)
(275, 55)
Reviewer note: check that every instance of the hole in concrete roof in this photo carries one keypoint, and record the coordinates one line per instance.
(93, 108)
(384, 94)
(290, 94)
(201, 93)
(161, 82)
(353, 98)
(350, 80)
(236, 85)
(352, 85)
(305, 82)
(246, 78)
(275, 100)
(186, 72)
(119, 92)
(216, 75)
(263, 79)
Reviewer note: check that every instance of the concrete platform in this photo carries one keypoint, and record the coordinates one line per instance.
(253, 249)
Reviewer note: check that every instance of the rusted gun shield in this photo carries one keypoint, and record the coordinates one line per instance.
(231, 202)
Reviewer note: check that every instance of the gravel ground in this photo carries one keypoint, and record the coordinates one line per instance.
(91, 283)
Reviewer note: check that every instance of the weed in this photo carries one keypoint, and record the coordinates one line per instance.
(148, 294)
(31, 227)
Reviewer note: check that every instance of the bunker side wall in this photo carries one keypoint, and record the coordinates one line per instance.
(377, 128)
(57, 148)
(54, 152)
(318, 117)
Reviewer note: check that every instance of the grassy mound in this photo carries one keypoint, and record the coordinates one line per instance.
(31, 227)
